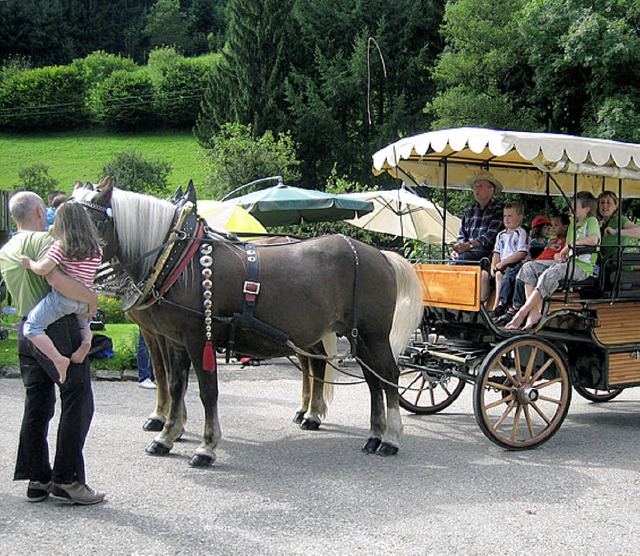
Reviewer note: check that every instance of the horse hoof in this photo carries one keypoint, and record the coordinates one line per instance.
(387, 449)
(371, 445)
(309, 425)
(157, 449)
(299, 417)
(200, 460)
(153, 425)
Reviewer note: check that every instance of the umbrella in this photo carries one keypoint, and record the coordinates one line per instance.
(401, 213)
(282, 205)
(232, 218)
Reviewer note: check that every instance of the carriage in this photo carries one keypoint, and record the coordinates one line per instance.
(589, 337)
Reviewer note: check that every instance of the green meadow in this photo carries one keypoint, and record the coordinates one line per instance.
(81, 156)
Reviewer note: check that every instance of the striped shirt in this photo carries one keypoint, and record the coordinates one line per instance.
(82, 270)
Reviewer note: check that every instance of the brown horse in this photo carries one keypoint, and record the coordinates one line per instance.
(310, 289)
(317, 377)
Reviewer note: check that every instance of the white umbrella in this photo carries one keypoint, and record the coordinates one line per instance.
(401, 213)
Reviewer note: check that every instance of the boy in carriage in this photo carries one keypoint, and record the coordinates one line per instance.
(511, 249)
(542, 278)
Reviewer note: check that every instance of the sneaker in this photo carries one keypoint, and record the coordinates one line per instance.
(76, 493)
(37, 491)
(148, 384)
(498, 311)
(506, 318)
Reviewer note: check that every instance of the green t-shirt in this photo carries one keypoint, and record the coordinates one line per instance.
(588, 227)
(26, 287)
(609, 241)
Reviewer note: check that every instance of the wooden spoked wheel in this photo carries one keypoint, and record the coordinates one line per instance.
(522, 393)
(598, 396)
(425, 392)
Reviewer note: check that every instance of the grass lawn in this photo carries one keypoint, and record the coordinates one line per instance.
(123, 336)
(82, 155)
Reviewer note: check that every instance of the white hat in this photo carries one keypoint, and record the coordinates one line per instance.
(497, 186)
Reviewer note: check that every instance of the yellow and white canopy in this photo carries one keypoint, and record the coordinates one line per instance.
(523, 162)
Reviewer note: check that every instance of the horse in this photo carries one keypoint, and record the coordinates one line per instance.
(305, 291)
(317, 377)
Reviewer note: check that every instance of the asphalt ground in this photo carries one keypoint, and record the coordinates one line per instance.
(276, 489)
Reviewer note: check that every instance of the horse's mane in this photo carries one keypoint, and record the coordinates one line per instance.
(142, 223)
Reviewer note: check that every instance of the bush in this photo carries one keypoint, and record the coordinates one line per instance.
(124, 101)
(134, 172)
(99, 65)
(50, 98)
(113, 314)
(179, 85)
(237, 158)
(36, 178)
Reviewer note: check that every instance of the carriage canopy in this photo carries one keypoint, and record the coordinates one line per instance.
(524, 162)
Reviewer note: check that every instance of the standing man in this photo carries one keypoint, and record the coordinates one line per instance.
(66, 480)
(480, 226)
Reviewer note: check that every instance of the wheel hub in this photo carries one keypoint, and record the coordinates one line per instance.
(528, 394)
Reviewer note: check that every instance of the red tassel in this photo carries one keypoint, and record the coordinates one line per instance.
(209, 357)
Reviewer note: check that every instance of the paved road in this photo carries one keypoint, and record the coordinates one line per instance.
(276, 489)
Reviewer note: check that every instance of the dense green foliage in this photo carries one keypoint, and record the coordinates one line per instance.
(569, 66)
(49, 99)
(135, 172)
(236, 158)
(338, 79)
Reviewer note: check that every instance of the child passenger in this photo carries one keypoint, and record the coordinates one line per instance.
(511, 249)
(542, 278)
(77, 251)
(539, 236)
(559, 226)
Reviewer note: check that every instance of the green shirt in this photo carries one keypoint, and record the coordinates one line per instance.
(587, 227)
(609, 241)
(25, 286)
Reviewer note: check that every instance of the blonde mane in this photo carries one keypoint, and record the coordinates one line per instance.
(142, 223)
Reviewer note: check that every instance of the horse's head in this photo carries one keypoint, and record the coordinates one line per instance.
(96, 199)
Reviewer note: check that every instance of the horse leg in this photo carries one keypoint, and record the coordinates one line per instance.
(306, 389)
(386, 431)
(156, 420)
(321, 384)
(179, 365)
(208, 381)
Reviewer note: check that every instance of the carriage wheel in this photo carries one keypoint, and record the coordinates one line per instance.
(522, 393)
(598, 396)
(423, 393)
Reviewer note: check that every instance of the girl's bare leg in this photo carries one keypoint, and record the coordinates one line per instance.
(45, 345)
(79, 355)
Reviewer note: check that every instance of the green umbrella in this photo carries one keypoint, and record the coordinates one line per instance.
(282, 205)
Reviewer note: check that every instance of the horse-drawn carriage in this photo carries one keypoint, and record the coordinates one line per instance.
(589, 336)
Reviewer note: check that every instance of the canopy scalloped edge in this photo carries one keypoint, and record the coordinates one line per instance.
(511, 155)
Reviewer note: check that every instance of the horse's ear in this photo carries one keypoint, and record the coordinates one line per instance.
(177, 195)
(105, 190)
(190, 195)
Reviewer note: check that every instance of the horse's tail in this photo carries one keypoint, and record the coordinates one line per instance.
(408, 311)
(330, 343)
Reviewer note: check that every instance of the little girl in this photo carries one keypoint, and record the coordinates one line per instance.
(78, 252)
(539, 235)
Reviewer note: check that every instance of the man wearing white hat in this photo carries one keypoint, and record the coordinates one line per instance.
(480, 226)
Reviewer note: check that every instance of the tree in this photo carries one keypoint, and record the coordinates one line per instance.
(481, 68)
(166, 25)
(247, 87)
(236, 158)
(359, 80)
(567, 66)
